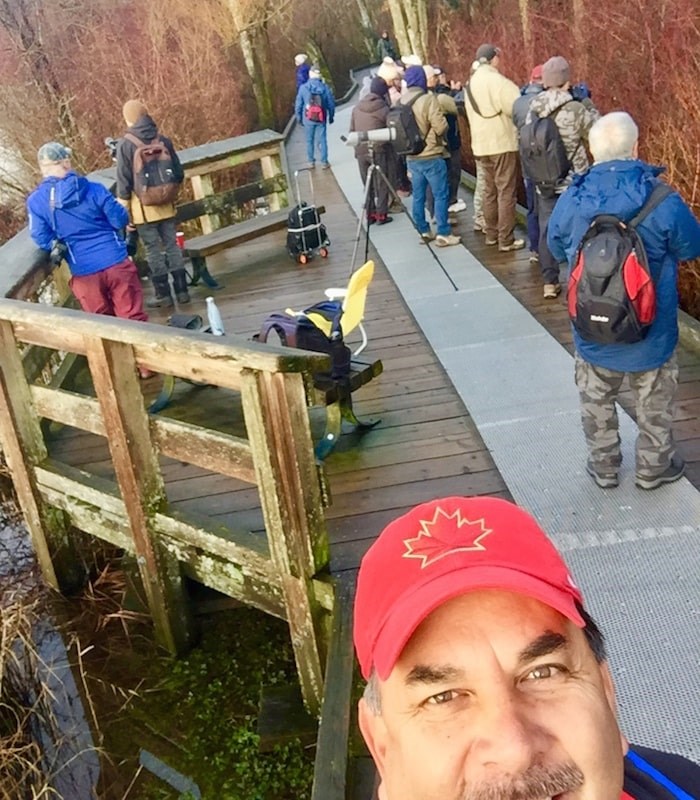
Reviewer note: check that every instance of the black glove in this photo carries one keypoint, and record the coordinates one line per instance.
(58, 253)
(580, 92)
(132, 241)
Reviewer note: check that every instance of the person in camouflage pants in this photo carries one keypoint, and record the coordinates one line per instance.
(575, 114)
(653, 393)
(620, 184)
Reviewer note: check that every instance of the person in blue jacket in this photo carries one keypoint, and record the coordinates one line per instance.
(620, 184)
(301, 69)
(80, 221)
(315, 109)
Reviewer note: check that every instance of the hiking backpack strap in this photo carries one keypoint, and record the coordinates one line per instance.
(468, 90)
(660, 192)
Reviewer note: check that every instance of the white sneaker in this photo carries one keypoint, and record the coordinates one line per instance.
(447, 241)
(516, 244)
(455, 208)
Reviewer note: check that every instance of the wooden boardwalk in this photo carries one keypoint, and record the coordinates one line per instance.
(426, 444)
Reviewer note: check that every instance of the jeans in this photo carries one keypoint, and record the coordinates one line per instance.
(316, 132)
(433, 172)
(157, 235)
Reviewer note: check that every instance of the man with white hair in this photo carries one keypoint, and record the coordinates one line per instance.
(301, 69)
(620, 184)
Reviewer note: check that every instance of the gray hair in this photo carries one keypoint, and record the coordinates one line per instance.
(372, 695)
(613, 137)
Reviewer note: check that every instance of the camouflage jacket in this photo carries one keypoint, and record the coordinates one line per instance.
(574, 120)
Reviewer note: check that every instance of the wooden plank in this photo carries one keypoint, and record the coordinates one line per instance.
(270, 405)
(277, 183)
(202, 186)
(69, 408)
(156, 346)
(211, 450)
(239, 232)
(330, 766)
(24, 448)
(271, 165)
(136, 465)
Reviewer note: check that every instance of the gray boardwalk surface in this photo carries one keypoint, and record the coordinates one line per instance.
(635, 554)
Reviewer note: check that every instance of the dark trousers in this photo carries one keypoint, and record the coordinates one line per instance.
(533, 225)
(548, 264)
(500, 192)
(454, 174)
(160, 240)
(378, 200)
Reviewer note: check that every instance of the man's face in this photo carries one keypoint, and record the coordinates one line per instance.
(496, 697)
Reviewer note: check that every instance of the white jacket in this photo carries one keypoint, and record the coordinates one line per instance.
(494, 132)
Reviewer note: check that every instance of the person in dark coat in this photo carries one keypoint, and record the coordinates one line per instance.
(156, 224)
(302, 69)
(620, 184)
(368, 115)
(385, 48)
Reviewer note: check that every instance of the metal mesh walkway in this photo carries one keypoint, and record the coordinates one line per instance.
(635, 554)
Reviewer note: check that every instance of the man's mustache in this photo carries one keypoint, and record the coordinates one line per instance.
(536, 783)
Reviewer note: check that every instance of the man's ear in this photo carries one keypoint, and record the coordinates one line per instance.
(374, 733)
(609, 688)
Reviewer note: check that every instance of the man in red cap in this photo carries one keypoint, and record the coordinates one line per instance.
(487, 679)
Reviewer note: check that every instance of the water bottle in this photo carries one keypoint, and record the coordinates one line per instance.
(215, 322)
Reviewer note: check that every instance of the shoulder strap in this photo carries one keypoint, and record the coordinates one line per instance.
(133, 139)
(644, 766)
(558, 108)
(660, 192)
(412, 100)
(468, 90)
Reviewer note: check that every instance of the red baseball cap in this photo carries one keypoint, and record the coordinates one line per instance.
(536, 74)
(443, 549)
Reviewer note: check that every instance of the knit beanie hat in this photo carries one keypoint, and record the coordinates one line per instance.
(379, 86)
(133, 110)
(555, 72)
(300, 59)
(388, 71)
(415, 76)
(53, 152)
(314, 72)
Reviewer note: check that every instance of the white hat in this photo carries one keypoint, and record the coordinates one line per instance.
(314, 72)
(300, 58)
(412, 60)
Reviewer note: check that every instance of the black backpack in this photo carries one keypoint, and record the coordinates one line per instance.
(542, 151)
(611, 295)
(301, 331)
(407, 137)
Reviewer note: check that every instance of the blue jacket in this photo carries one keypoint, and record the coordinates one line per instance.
(83, 215)
(302, 74)
(670, 234)
(314, 86)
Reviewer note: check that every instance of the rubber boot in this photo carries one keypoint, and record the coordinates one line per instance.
(180, 285)
(163, 298)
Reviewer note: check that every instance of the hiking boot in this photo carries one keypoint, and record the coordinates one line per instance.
(448, 240)
(455, 208)
(551, 290)
(325, 165)
(534, 257)
(163, 298)
(606, 480)
(311, 165)
(180, 286)
(383, 219)
(426, 237)
(490, 242)
(673, 472)
(516, 244)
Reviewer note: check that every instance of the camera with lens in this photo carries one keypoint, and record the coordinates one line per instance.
(58, 252)
(111, 145)
(377, 135)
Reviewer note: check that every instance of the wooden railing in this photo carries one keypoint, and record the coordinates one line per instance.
(281, 573)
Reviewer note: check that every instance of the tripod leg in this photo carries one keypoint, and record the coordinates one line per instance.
(363, 214)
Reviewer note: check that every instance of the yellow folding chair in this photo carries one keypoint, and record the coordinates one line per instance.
(354, 297)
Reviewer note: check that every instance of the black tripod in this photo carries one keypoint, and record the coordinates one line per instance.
(375, 168)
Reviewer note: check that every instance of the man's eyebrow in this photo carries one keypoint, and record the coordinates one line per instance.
(432, 673)
(544, 645)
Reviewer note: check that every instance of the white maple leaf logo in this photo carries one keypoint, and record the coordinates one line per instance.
(446, 534)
